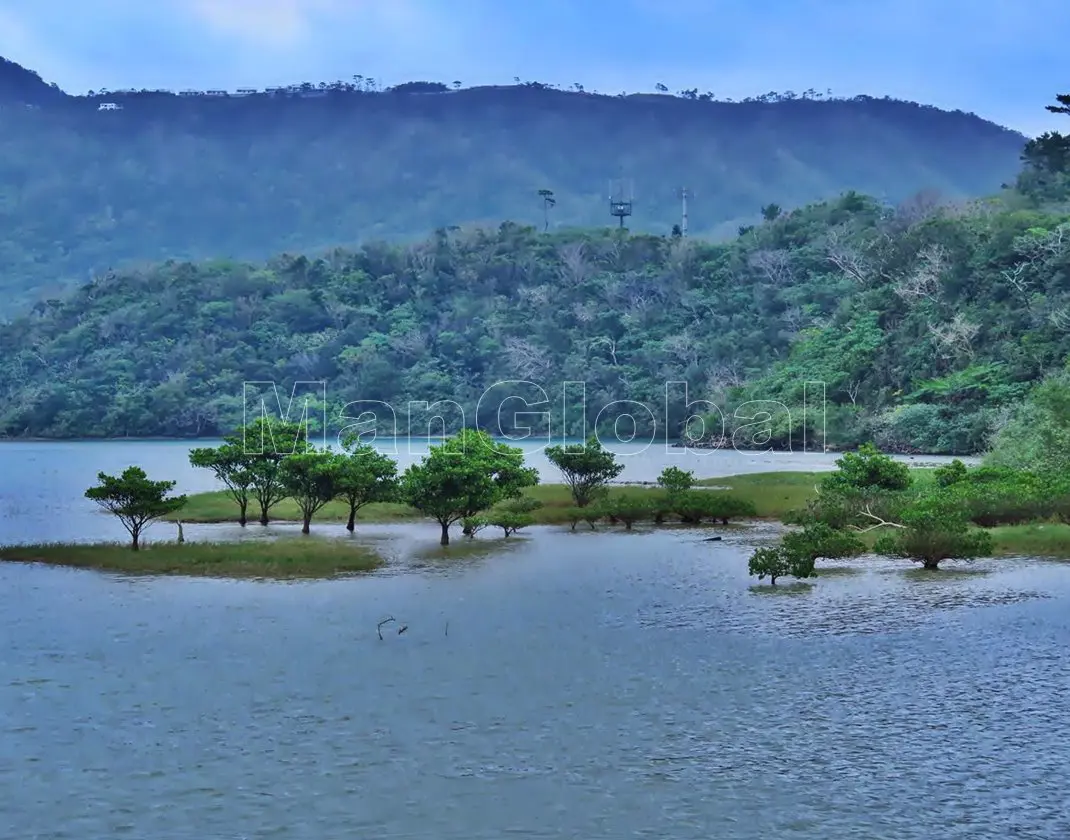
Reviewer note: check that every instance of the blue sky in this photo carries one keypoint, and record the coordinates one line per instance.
(998, 58)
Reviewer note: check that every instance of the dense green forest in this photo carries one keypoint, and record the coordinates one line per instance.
(928, 322)
(302, 169)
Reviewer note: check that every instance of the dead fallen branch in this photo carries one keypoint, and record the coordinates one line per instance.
(379, 628)
(880, 523)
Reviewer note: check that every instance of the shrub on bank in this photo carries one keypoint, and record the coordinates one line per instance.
(935, 530)
(694, 507)
(798, 552)
(993, 496)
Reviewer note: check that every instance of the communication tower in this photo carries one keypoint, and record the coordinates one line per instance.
(621, 196)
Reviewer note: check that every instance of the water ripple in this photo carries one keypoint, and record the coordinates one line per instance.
(595, 685)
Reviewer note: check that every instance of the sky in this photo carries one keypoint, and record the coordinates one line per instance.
(997, 58)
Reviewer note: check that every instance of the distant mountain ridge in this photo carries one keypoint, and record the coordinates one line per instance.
(20, 86)
(195, 175)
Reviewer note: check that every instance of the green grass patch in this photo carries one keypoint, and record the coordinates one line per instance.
(218, 506)
(557, 500)
(1040, 540)
(773, 495)
(283, 558)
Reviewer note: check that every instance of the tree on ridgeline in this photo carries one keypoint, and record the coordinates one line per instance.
(135, 499)
(548, 201)
(1045, 174)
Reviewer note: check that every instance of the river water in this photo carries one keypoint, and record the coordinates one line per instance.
(554, 685)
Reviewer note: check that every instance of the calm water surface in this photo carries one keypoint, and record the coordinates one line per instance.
(556, 685)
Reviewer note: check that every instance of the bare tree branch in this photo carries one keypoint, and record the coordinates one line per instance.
(526, 359)
(924, 282)
(610, 343)
(848, 258)
(421, 260)
(722, 376)
(537, 296)
(880, 523)
(1017, 278)
(774, 264)
(684, 348)
(955, 337)
(575, 268)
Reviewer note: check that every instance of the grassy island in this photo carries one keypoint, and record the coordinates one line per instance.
(870, 504)
(284, 558)
(772, 494)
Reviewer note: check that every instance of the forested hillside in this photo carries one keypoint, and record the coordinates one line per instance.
(311, 167)
(928, 323)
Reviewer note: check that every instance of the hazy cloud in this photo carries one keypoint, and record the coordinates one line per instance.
(265, 22)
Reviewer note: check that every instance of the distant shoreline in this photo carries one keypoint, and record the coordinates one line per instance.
(704, 447)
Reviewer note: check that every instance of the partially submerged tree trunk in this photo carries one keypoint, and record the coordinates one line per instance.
(306, 524)
(243, 516)
(351, 524)
(445, 534)
(930, 565)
